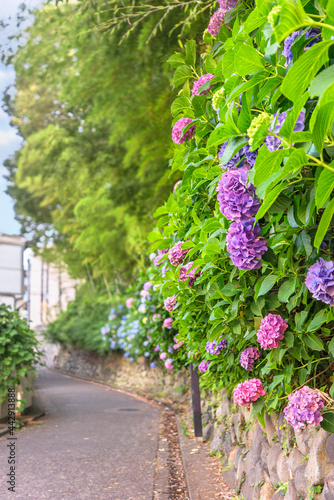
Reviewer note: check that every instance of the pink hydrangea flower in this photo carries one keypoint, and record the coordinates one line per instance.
(170, 303)
(156, 317)
(163, 356)
(271, 330)
(129, 302)
(144, 293)
(304, 408)
(157, 348)
(178, 345)
(177, 136)
(186, 272)
(198, 84)
(248, 391)
(203, 366)
(176, 185)
(169, 364)
(157, 261)
(168, 323)
(176, 254)
(147, 285)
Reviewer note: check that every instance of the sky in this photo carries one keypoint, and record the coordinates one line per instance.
(9, 140)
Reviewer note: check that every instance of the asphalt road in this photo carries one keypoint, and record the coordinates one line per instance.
(95, 442)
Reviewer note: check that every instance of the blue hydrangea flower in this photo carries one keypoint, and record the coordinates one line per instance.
(153, 365)
(147, 354)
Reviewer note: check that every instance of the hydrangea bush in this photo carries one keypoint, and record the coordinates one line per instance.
(251, 217)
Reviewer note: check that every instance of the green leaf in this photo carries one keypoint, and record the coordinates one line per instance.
(247, 61)
(306, 239)
(267, 284)
(181, 75)
(328, 421)
(325, 186)
(220, 135)
(182, 105)
(269, 200)
(331, 347)
(176, 60)
(292, 17)
(277, 380)
(265, 167)
(228, 63)
(320, 83)
(319, 319)
(313, 342)
(304, 70)
(287, 289)
(199, 105)
(323, 124)
(324, 223)
(191, 53)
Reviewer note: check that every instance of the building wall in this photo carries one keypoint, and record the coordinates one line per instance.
(51, 289)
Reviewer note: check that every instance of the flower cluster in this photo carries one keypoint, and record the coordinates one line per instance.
(274, 143)
(186, 272)
(216, 98)
(218, 17)
(242, 157)
(169, 364)
(236, 196)
(215, 347)
(168, 323)
(304, 408)
(320, 281)
(260, 121)
(129, 302)
(244, 245)
(198, 84)
(248, 391)
(248, 356)
(157, 259)
(203, 366)
(176, 254)
(271, 330)
(177, 136)
(170, 303)
(287, 52)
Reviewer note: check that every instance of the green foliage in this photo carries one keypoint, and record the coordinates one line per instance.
(94, 118)
(294, 184)
(19, 352)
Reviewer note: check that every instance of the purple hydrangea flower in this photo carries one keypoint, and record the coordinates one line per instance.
(248, 391)
(233, 162)
(147, 285)
(186, 273)
(320, 281)
(197, 85)
(304, 408)
(287, 46)
(177, 136)
(271, 330)
(157, 260)
(218, 17)
(176, 254)
(248, 356)
(215, 347)
(203, 366)
(273, 143)
(250, 155)
(170, 303)
(216, 21)
(169, 364)
(245, 246)
(287, 52)
(236, 196)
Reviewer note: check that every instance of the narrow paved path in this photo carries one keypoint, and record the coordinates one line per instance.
(95, 442)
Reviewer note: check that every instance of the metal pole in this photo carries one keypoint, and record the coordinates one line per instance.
(196, 402)
(28, 292)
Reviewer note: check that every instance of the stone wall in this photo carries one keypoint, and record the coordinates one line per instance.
(271, 462)
(120, 372)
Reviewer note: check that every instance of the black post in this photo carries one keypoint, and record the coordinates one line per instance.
(196, 402)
